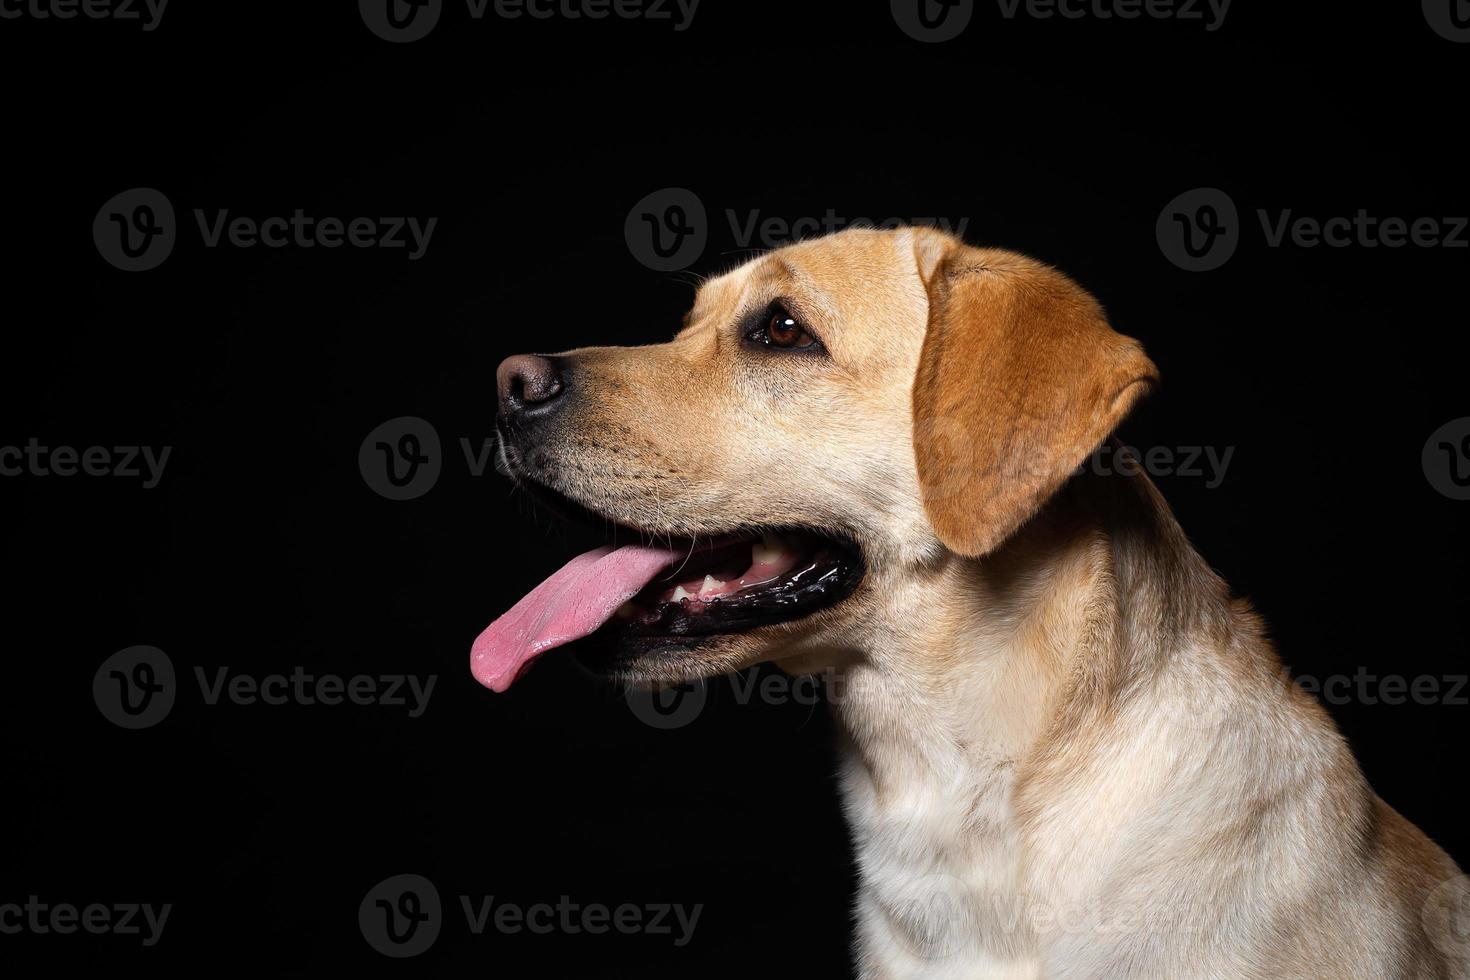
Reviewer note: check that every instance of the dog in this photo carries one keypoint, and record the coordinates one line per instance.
(1066, 749)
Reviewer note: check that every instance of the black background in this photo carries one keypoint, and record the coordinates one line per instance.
(263, 548)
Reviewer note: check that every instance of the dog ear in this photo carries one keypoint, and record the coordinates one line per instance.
(1020, 379)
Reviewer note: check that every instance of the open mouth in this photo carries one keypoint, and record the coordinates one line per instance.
(638, 599)
(742, 582)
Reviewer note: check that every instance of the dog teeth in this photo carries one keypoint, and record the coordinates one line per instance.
(680, 594)
(711, 585)
(768, 551)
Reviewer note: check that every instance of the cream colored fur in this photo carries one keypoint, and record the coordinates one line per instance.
(1070, 755)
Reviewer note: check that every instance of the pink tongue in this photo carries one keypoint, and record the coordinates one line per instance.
(566, 607)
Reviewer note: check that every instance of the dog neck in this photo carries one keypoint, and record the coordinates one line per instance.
(988, 655)
(978, 677)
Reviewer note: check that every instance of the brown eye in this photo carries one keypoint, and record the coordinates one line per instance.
(783, 330)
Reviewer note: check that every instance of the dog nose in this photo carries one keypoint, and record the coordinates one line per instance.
(527, 381)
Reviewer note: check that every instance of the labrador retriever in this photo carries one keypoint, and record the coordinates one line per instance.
(1067, 750)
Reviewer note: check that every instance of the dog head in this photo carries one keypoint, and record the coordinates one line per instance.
(832, 416)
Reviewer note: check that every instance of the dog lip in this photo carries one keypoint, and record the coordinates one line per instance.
(576, 512)
(824, 573)
(750, 608)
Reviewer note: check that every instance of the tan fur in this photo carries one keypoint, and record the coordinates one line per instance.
(1067, 751)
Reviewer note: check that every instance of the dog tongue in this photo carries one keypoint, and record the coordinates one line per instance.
(568, 606)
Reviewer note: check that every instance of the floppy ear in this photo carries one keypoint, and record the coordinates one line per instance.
(1020, 379)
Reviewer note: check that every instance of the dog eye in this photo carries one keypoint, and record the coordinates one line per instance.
(780, 329)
